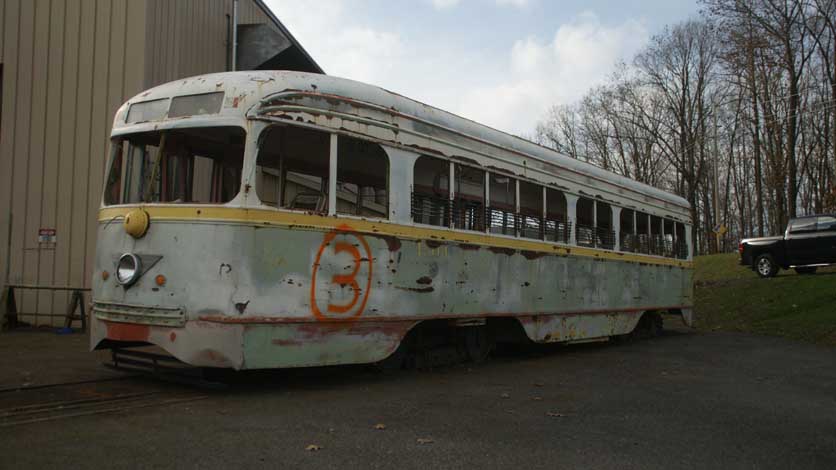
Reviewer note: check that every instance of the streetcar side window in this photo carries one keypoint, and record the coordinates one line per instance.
(190, 165)
(604, 235)
(681, 245)
(656, 241)
(292, 168)
(668, 226)
(642, 233)
(531, 210)
(362, 178)
(503, 204)
(468, 198)
(431, 191)
(627, 236)
(556, 223)
(585, 230)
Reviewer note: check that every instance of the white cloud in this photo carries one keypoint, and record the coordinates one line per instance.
(510, 90)
(580, 55)
(513, 3)
(443, 4)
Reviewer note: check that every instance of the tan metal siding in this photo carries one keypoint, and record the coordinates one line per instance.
(2, 23)
(67, 66)
(23, 116)
(10, 30)
(67, 136)
(65, 73)
(189, 37)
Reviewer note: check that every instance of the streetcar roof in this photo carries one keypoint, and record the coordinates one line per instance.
(245, 94)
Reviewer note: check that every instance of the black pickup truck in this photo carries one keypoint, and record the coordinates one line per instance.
(808, 242)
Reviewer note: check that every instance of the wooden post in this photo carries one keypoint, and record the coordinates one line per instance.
(76, 302)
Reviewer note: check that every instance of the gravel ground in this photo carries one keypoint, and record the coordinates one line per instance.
(685, 400)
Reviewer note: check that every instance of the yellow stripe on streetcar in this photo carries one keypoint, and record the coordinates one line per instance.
(261, 217)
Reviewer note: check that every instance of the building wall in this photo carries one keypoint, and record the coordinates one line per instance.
(189, 37)
(67, 66)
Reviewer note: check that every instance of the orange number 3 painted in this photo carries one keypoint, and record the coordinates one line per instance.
(352, 309)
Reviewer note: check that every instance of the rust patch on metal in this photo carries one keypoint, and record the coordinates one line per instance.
(425, 149)
(433, 243)
(464, 159)
(393, 243)
(216, 357)
(502, 251)
(424, 280)
(532, 254)
(420, 290)
(434, 316)
(127, 331)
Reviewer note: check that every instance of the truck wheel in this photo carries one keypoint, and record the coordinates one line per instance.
(806, 270)
(765, 266)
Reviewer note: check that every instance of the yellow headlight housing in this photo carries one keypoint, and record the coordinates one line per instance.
(136, 223)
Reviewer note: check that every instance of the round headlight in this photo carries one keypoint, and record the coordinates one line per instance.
(128, 269)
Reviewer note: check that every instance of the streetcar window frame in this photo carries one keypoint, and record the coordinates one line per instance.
(293, 172)
(503, 204)
(557, 225)
(430, 191)
(362, 178)
(531, 210)
(205, 164)
(627, 238)
(604, 226)
(469, 206)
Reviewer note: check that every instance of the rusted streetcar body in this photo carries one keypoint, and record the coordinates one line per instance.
(282, 219)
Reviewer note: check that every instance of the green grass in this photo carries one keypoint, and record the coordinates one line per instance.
(731, 297)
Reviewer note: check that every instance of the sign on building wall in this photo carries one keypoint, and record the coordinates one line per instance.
(46, 235)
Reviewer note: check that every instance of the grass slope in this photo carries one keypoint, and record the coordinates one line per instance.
(733, 298)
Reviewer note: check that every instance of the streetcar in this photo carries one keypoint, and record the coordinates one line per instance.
(277, 219)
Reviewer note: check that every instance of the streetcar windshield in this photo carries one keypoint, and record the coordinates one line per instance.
(194, 165)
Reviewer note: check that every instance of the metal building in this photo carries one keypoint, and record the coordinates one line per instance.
(65, 67)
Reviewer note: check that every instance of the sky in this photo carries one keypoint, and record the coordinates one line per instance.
(502, 63)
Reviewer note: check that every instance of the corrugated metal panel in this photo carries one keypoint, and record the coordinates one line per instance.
(186, 38)
(3, 23)
(190, 37)
(67, 66)
(9, 32)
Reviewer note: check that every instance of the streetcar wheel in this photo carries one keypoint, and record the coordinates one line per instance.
(476, 343)
(765, 266)
(395, 361)
(650, 325)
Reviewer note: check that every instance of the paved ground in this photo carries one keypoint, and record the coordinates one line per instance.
(686, 400)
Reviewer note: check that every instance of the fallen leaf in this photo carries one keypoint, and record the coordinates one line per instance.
(505, 395)
(313, 448)
(537, 398)
(425, 440)
(553, 414)
(380, 426)
(538, 384)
